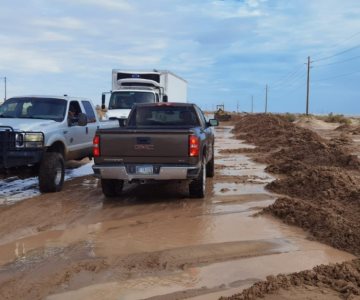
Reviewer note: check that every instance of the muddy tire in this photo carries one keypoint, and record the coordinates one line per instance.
(51, 172)
(112, 187)
(197, 186)
(210, 167)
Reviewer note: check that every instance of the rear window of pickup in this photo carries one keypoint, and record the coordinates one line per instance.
(164, 116)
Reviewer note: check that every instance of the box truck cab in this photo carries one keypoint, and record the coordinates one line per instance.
(130, 87)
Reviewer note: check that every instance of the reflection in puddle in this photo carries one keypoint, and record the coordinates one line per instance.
(229, 188)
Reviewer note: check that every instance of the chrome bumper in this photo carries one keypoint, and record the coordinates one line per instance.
(165, 173)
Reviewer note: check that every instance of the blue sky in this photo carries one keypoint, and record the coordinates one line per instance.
(227, 50)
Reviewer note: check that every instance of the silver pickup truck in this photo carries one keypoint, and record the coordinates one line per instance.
(161, 141)
(42, 132)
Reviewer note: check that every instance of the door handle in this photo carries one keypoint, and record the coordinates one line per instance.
(87, 130)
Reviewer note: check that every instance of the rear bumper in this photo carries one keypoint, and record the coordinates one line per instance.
(164, 173)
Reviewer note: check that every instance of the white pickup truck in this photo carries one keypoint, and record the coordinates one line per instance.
(42, 132)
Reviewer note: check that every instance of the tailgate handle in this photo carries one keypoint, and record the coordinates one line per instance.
(143, 140)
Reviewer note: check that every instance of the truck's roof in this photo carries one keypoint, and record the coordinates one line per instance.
(164, 104)
(148, 72)
(66, 98)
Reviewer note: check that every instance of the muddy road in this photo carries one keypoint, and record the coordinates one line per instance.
(153, 242)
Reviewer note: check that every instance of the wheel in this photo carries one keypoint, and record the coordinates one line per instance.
(210, 167)
(51, 172)
(112, 187)
(197, 186)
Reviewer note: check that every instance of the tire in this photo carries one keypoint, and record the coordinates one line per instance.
(210, 167)
(197, 187)
(51, 172)
(112, 187)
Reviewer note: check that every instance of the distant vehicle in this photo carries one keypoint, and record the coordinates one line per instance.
(161, 141)
(44, 131)
(221, 114)
(130, 87)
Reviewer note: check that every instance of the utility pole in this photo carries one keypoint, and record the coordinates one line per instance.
(252, 104)
(266, 99)
(308, 86)
(237, 107)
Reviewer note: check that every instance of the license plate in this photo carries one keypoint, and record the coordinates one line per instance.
(144, 170)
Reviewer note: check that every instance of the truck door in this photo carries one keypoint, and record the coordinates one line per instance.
(92, 125)
(76, 137)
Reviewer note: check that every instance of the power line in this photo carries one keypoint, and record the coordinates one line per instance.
(339, 62)
(293, 82)
(338, 76)
(287, 76)
(341, 42)
(337, 54)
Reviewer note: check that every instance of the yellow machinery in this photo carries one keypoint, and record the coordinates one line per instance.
(221, 114)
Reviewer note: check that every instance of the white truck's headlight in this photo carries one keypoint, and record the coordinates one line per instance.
(33, 140)
(34, 137)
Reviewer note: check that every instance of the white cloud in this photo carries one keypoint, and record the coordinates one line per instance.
(122, 5)
(52, 36)
(60, 23)
(225, 10)
(29, 61)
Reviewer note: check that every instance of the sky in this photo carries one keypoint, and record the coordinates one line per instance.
(227, 50)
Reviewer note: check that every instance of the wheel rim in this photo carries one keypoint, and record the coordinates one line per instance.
(58, 175)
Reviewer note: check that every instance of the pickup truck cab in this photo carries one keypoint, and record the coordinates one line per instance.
(43, 132)
(161, 141)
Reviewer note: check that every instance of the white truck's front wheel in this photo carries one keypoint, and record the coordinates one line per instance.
(51, 172)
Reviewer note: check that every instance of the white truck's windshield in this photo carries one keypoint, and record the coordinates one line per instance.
(34, 108)
(126, 99)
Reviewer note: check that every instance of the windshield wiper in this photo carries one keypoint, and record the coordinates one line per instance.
(5, 116)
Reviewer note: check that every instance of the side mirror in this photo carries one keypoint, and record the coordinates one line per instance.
(213, 122)
(165, 98)
(103, 101)
(82, 119)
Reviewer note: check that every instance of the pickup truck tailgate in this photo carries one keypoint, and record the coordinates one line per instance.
(143, 143)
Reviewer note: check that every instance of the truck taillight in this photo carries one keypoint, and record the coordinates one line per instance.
(96, 146)
(194, 145)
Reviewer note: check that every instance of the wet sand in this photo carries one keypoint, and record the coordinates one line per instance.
(153, 242)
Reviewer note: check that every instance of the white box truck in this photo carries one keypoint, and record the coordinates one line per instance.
(129, 87)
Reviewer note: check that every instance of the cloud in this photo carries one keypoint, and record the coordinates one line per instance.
(60, 23)
(235, 9)
(121, 5)
(52, 36)
(29, 61)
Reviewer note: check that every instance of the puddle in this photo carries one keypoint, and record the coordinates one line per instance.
(218, 276)
(229, 188)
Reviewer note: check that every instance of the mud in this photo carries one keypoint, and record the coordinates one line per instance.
(320, 177)
(153, 241)
(339, 281)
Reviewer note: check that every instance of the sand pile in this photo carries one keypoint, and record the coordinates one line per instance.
(321, 184)
(349, 129)
(344, 279)
(320, 178)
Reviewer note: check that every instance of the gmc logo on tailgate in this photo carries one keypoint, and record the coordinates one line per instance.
(144, 147)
